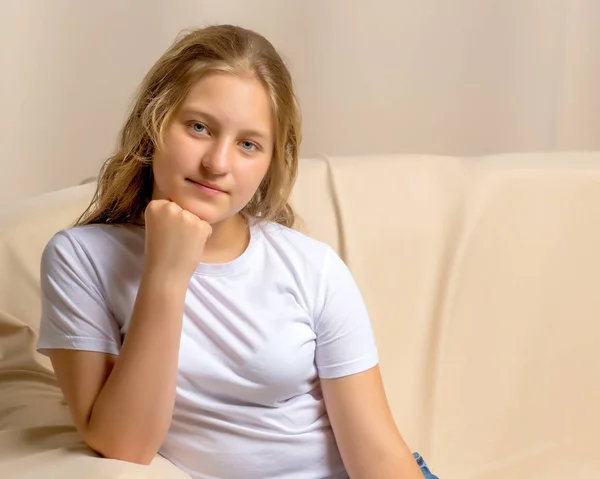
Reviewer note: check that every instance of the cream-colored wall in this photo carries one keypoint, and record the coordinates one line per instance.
(434, 76)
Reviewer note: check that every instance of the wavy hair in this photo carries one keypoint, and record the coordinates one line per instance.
(126, 180)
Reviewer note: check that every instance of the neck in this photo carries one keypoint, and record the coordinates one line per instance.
(229, 239)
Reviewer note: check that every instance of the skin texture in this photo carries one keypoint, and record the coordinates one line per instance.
(122, 405)
(365, 431)
(223, 135)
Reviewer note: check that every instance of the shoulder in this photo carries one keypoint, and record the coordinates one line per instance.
(101, 233)
(316, 260)
(311, 261)
(96, 236)
(90, 244)
(296, 246)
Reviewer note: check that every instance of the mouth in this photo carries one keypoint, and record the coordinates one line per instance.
(207, 187)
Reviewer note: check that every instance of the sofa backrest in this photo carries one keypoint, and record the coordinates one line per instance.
(29, 394)
(480, 275)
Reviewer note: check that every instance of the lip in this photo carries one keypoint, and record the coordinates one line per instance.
(207, 188)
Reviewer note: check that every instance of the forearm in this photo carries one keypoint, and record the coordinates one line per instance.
(366, 434)
(385, 461)
(133, 412)
(395, 466)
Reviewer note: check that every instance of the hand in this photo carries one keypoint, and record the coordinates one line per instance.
(175, 240)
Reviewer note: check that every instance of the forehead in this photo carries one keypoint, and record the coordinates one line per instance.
(232, 100)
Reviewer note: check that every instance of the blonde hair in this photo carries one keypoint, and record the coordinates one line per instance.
(126, 180)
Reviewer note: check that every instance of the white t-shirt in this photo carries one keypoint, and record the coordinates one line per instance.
(258, 333)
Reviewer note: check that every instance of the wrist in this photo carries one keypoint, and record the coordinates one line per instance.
(165, 280)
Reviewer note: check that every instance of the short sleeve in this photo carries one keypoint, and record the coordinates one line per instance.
(75, 314)
(345, 344)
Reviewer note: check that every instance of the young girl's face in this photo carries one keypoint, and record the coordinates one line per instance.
(217, 148)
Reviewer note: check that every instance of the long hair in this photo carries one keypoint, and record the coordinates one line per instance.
(126, 180)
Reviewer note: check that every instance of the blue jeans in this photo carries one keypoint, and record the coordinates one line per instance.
(424, 469)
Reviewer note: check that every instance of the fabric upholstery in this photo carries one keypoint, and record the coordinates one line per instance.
(481, 278)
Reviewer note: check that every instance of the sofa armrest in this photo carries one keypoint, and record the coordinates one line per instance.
(57, 452)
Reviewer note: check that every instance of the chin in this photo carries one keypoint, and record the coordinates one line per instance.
(206, 212)
(208, 215)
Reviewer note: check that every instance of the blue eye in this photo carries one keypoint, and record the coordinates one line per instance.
(198, 127)
(248, 145)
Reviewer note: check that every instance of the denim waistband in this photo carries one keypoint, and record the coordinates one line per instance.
(423, 465)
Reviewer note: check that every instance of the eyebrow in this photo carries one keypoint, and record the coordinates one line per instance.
(211, 118)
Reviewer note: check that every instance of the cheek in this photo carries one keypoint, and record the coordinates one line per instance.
(177, 157)
(158, 168)
(251, 174)
(163, 171)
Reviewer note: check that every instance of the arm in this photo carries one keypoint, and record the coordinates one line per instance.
(369, 442)
(346, 356)
(122, 405)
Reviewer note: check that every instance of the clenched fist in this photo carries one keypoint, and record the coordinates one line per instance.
(175, 240)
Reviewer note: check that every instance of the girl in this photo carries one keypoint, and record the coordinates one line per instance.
(184, 316)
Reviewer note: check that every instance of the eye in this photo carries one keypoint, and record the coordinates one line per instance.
(248, 146)
(198, 127)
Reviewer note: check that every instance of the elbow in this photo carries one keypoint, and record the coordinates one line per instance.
(133, 451)
(142, 458)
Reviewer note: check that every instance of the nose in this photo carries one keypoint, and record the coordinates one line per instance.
(217, 159)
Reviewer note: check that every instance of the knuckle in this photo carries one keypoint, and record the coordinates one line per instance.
(206, 228)
(187, 216)
(171, 207)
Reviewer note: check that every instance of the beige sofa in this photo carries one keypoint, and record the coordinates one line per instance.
(482, 277)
